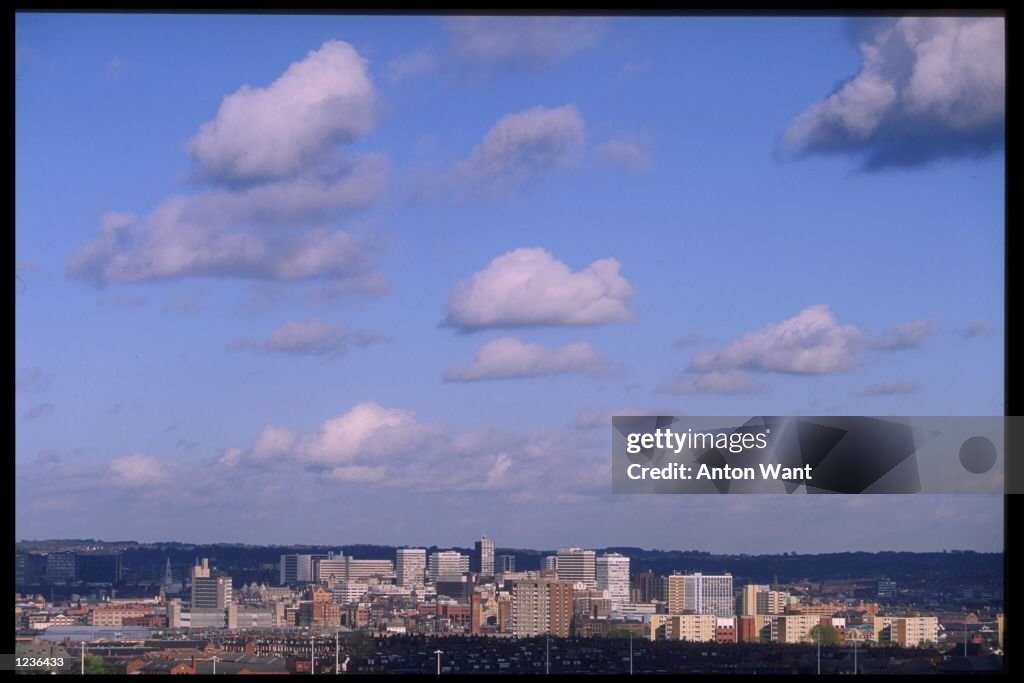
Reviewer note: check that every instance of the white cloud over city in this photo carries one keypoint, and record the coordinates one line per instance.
(530, 287)
(928, 88)
(276, 181)
(521, 146)
(313, 337)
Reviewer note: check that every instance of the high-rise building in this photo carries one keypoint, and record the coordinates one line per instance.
(644, 587)
(701, 594)
(209, 592)
(505, 563)
(577, 565)
(612, 575)
(542, 606)
(331, 570)
(298, 568)
(761, 599)
(99, 568)
(549, 563)
(483, 556)
(336, 568)
(28, 568)
(410, 567)
(61, 567)
(447, 563)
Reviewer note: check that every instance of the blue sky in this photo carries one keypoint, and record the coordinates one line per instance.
(384, 279)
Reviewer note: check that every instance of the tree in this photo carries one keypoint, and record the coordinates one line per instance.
(94, 664)
(828, 634)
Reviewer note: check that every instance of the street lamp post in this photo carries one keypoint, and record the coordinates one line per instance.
(438, 653)
(547, 654)
(631, 653)
(819, 648)
(336, 665)
(83, 657)
(312, 657)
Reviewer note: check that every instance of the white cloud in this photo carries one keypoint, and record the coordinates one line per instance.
(908, 335)
(310, 338)
(529, 286)
(317, 103)
(523, 145)
(137, 471)
(625, 152)
(509, 357)
(928, 87)
(715, 382)
(371, 445)
(272, 443)
(811, 342)
(484, 44)
(239, 233)
(275, 181)
(367, 430)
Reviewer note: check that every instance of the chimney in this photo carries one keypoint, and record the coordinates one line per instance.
(193, 662)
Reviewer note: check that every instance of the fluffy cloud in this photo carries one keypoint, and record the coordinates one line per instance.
(510, 357)
(523, 145)
(137, 471)
(715, 382)
(810, 343)
(276, 182)
(310, 338)
(319, 102)
(894, 388)
(483, 44)
(627, 153)
(367, 430)
(928, 88)
(372, 445)
(909, 335)
(529, 286)
(251, 233)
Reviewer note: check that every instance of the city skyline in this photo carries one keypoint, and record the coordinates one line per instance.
(396, 273)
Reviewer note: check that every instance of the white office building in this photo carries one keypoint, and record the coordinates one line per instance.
(447, 563)
(411, 567)
(612, 575)
(578, 566)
